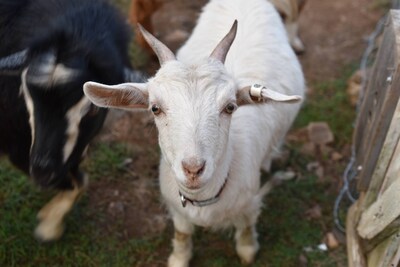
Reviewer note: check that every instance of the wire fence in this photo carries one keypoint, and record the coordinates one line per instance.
(348, 191)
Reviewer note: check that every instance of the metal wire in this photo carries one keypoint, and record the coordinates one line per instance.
(351, 171)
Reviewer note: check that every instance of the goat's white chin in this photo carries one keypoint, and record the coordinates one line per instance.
(191, 189)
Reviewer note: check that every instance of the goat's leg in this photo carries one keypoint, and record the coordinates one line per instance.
(246, 244)
(51, 216)
(182, 243)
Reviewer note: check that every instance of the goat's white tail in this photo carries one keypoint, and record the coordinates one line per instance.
(277, 179)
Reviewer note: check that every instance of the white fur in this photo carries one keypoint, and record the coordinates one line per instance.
(74, 116)
(260, 54)
(29, 104)
(192, 93)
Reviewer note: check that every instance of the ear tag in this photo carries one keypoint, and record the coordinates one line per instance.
(255, 91)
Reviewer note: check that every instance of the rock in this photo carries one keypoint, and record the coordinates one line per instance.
(316, 168)
(281, 176)
(308, 149)
(312, 166)
(336, 156)
(331, 241)
(322, 247)
(320, 133)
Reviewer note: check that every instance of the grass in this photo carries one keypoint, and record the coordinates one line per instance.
(329, 103)
(106, 160)
(284, 231)
(82, 244)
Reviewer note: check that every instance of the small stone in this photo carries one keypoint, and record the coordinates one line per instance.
(312, 166)
(284, 175)
(126, 162)
(323, 247)
(336, 156)
(331, 240)
(320, 133)
(308, 249)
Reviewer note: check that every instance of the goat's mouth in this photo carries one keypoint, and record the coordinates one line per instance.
(190, 189)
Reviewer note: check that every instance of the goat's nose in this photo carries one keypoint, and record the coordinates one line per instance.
(193, 167)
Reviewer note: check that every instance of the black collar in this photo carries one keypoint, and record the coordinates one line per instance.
(202, 203)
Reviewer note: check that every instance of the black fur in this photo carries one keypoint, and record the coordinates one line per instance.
(86, 35)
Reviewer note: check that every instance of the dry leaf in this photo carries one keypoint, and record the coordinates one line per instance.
(354, 87)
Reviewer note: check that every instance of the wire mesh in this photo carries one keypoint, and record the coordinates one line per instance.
(348, 191)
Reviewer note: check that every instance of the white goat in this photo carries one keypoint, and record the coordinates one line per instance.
(212, 152)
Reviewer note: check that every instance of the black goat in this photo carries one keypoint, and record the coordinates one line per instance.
(48, 49)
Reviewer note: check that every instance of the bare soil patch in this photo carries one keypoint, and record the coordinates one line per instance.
(334, 33)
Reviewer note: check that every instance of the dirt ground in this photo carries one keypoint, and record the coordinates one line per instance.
(334, 34)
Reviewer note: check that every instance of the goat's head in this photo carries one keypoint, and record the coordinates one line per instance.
(62, 119)
(192, 104)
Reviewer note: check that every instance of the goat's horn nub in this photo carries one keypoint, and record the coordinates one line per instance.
(222, 48)
(163, 53)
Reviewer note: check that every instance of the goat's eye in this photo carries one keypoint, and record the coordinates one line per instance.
(155, 109)
(230, 108)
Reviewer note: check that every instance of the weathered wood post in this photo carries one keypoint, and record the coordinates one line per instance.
(373, 222)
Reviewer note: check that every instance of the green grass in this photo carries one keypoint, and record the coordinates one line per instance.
(106, 160)
(329, 103)
(82, 244)
(284, 231)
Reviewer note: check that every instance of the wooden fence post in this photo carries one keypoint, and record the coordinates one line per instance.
(373, 222)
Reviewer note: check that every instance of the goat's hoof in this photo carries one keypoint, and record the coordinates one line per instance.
(49, 231)
(174, 261)
(247, 254)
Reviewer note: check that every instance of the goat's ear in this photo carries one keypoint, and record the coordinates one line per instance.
(260, 94)
(13, 64)
(122, 96)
